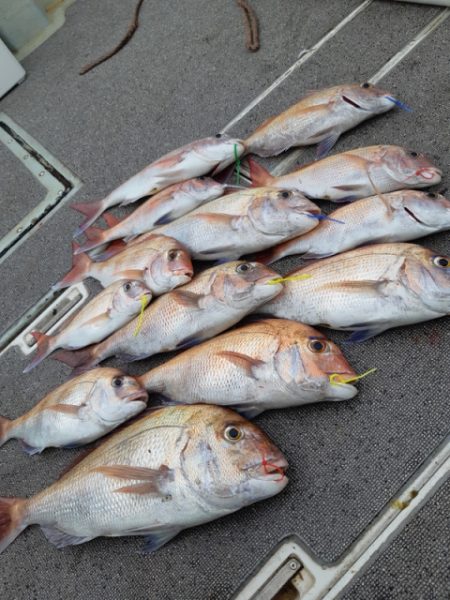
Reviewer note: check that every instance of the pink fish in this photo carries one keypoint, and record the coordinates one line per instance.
(213, 301)
(160, 262)
(355, 174)
(77, 412)
(105, 313)
(320, 118)
(166, 206)
(194, 159)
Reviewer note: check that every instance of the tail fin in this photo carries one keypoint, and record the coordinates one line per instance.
(11, 520)
(259, 175)
(91, 210)
(111, 220)
(80, 270)
(44, 348)
(111, 250)
(80, 360)
(151, 382)
(5, 425)
(288, 248)
(95, 236)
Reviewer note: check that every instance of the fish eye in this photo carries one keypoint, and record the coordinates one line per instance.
(243, 268)
(365, 85)
(218, 135)
(172, 254)
(233, 434)
(127, 286)
(413, 154)
(431, 195)
(117, 382)
(441, 261)
(317, 346)
(285, 194)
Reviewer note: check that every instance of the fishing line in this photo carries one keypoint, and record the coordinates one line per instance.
(144, 301)
(399, 103)
(289, 278)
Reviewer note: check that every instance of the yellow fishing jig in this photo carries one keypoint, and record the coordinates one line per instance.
(335, 377)
(289, 278)
(144, 302)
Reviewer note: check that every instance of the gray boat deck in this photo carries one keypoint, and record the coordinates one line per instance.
(186, 74)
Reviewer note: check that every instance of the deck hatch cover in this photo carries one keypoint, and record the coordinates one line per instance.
(57, 179)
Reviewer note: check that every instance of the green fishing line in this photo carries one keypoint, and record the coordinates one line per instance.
(238, 164)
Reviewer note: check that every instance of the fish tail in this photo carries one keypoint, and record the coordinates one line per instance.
(111, 250)
(81, 266)
(111, 220)
(151, 382)
(5, 426)
(95, 237)
(44, 348)
(80, 360)
(12, 521)
(91, 210)
(269, 256)
(259, 175)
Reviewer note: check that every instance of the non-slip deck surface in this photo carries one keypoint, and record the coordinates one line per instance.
(184, 75)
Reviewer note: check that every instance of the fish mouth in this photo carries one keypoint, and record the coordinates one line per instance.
(188, 273)
(431, 174)
(269, 468)
(146, 295)
(308, 212)
(140, 395)
(339, 390)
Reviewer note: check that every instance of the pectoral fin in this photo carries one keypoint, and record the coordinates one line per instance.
(349, 188)
(99, 319)
(172, 159)
(242, 361)
(67, 409)
(187, 299)
(151, 479)
(218, 219)
(362, 286)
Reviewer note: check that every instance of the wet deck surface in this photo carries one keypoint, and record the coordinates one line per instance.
(185, 75)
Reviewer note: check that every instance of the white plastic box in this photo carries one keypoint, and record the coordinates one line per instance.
(11, 71)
